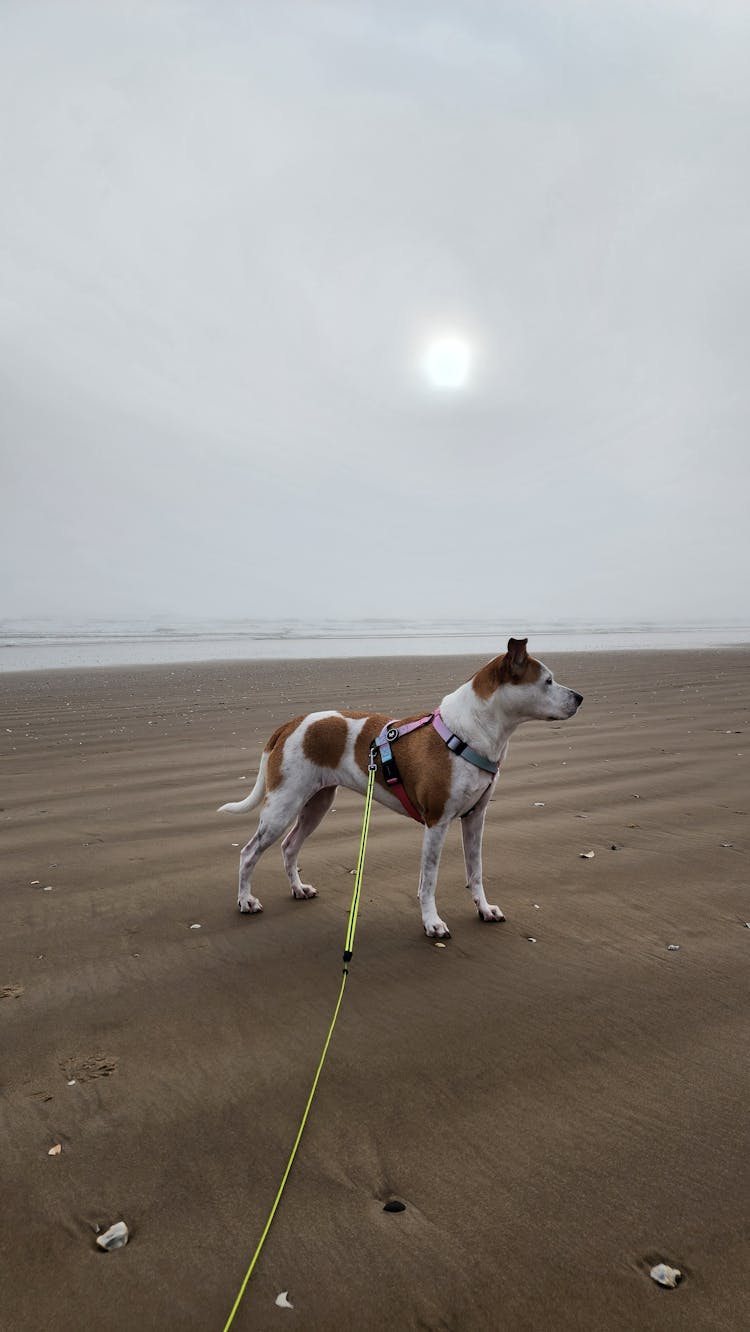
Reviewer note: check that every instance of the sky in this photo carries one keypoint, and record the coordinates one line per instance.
(232, 230)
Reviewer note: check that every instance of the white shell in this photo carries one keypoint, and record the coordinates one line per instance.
(282, 1300)
(114, 1238)
(665, 1276)
(587, 855)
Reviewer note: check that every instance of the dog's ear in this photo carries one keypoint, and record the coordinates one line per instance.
(517, 657)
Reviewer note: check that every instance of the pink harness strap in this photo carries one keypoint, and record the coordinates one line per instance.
(407, 726)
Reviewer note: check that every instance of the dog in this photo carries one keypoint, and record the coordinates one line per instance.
(444, 767)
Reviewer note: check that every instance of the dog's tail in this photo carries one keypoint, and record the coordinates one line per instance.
(255, 796)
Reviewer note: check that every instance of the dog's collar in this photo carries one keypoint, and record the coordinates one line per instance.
(460, 747)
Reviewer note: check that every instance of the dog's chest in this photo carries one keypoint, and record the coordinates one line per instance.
(468, 785)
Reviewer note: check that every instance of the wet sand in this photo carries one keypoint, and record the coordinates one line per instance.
(556, 1115)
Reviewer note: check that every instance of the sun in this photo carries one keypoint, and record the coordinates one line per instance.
(446, 362)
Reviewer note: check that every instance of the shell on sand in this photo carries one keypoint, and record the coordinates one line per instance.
(666, 1276)
(113, 1238)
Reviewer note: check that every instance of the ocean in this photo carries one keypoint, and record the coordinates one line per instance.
(32, 645)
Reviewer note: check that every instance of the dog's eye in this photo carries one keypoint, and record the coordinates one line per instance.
(548, 682)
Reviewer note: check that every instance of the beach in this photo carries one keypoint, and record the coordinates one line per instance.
(559, 1100)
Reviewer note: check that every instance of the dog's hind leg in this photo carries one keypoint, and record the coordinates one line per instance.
(307, 821)
(276, 815)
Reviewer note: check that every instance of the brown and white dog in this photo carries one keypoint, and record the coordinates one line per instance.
(307, 758)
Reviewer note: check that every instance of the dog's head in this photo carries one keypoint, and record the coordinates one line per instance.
(525, 688)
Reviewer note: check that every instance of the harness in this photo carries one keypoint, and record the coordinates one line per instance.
(391, 733)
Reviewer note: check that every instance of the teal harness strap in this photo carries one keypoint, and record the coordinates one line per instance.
(478, 760)
(460, 747)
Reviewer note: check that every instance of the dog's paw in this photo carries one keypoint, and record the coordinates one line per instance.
(249, 906)
(490, 913)
(304, 890)
(437, 930)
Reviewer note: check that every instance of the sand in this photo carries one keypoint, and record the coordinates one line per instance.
(557, 1116)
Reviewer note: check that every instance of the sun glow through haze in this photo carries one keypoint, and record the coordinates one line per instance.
(447, 362)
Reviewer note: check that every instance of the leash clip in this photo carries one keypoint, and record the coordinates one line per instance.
(373, 764)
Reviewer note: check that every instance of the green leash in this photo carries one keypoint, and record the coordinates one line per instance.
(348, 950)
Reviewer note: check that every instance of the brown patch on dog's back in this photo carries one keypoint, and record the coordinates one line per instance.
(325, 741)
(423, 760)
(275, 751)
(372, 727)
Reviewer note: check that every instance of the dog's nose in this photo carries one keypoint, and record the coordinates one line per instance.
(578, 698)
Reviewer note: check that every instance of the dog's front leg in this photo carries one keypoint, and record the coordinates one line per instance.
(472, 827)
(431, 849)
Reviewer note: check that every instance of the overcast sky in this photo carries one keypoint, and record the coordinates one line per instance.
(230, 230)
